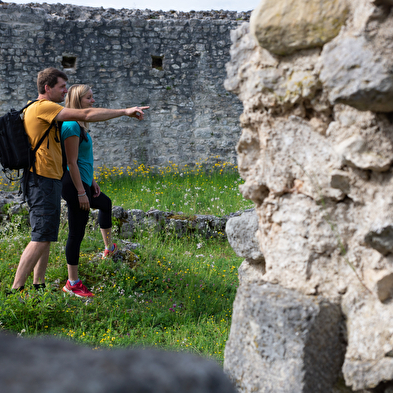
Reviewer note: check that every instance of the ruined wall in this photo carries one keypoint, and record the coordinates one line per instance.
(316, 151)
(172, 61)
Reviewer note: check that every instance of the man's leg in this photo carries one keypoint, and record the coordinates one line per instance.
(43, 197)
(34, 252)
(40, 268)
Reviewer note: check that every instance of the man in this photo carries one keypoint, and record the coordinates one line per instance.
(43, 190)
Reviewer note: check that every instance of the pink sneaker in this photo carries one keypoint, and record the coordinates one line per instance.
(78, 289)
(108, 253)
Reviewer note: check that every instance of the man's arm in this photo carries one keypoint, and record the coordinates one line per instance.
(99, 114)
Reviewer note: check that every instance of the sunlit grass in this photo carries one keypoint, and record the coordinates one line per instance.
(197, 190)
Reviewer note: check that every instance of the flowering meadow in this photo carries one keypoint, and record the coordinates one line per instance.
(201, 189)
(179, 296)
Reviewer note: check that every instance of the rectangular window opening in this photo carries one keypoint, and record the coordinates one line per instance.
(68, 62)
(156, 62)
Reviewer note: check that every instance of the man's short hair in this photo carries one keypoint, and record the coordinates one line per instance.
(49, 77)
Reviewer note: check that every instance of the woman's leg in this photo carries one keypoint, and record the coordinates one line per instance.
(77, 220)
(104, 204)
(107, 237)
(72, 272)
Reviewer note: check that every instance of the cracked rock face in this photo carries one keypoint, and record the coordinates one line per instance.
(316, 154)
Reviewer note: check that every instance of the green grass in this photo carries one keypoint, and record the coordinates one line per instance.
(179, 296)
(197, 190)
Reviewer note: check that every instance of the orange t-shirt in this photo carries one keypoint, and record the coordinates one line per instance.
(37, 119)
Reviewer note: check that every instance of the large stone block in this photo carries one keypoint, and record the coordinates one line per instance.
(54, 366)
(369, 356)
(241, 233)
(282, 341)
(356, 69)
(285, 26)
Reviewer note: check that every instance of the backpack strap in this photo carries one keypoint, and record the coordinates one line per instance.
(46, 135)
(26, 172)
(27, 105)
(32, 157)
(22, 115)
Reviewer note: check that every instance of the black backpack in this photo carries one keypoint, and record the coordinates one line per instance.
(15, 148)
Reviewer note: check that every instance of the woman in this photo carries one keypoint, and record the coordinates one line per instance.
(80, 190)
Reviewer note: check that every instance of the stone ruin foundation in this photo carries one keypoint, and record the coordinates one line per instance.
(314, 309)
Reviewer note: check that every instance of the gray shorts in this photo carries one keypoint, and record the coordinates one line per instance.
(43, 196)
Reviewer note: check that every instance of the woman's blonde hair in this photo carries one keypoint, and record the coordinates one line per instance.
(74, 98)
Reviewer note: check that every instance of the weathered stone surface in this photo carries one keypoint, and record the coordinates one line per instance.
(384, 287)
(285, 141)
(301, 250)
(49, 367)
(380, 237)
(381, 283)
(383, 2)
(260, 79)
(356, 153)
(356, 69)
(251, 272)
(317, 163)
(118, 212)
(362, 139)
(285, 26)
(283, 341)
(368, 359)
(241, 233)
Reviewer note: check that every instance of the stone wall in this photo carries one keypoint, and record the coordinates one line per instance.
(172, 61)
(316, 152)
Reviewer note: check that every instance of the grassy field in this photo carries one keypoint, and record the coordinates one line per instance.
(180, 294)
(197, 190)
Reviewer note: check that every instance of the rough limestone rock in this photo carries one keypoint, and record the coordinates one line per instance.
(369, 361)
(49, 366)
(316, 156)
(285, 26)
(276, 334)
(380, 237)
(241, 232)
(356, 69)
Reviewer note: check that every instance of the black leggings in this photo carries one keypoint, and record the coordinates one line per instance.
(77, 218)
